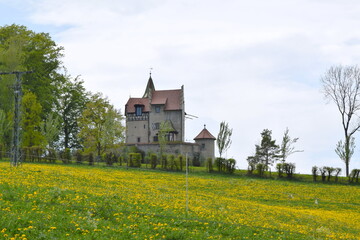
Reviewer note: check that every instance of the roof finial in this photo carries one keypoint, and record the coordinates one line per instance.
(150, 70)
(205, 126)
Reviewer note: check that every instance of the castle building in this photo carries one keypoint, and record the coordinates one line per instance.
(145, 116)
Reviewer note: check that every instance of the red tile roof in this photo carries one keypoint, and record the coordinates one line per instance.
(204, 134)
(172, 99)
(130, 105)
(159, 101)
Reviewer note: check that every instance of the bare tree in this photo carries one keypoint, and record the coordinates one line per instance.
(224, 138)
(287, 146)
(341, 84)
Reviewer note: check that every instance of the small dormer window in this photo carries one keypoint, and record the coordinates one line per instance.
(157, 109)
(138, 110)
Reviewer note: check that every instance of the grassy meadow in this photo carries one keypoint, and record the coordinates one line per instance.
(43, 201)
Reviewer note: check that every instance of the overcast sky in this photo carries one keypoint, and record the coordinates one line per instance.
(254, 64)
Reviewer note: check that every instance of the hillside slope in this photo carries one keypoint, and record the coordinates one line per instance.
(39, 201)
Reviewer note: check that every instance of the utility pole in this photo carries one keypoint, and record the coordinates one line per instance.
(15, 151)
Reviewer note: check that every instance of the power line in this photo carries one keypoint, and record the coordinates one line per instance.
(15, 156)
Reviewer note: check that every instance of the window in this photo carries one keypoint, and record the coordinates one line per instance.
(138, 110)
(138, 139)
(144, 126)
(157, 109)
(203, 146)
(155, 126)
(156, 138)
(170, 137)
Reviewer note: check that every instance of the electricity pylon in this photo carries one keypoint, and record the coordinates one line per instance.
(15, 151)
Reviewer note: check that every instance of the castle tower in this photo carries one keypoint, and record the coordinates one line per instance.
(145, 115)
(207, 143)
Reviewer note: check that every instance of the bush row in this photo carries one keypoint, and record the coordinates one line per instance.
(325, 172)
(222, 165)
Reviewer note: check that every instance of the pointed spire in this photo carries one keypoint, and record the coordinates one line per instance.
(149, 87)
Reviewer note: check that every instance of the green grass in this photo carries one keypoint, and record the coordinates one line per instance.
(46, 201)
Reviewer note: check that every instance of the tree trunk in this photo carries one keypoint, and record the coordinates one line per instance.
(347, 154)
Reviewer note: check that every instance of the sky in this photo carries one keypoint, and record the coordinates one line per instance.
(254, 64)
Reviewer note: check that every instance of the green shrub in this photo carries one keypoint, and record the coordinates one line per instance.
(91, 159)
(289, 169)
(354, 175)
(323, 173)
(337, 172)
(230, 165)
(164, 161)
(134, 149)
(66, 157)
(109, 159)
(329, 171)
(135, 160)
(261, 168)
(314, 172)
(25, 154)
(171, 162)
(79, 157)
(209, 165)
(153, 160)
(120, 160)
(220, 163)
(181, 162)
(280, 169)
(1, 151)
(115, 158)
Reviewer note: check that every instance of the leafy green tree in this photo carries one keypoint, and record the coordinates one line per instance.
(5, 126)
(31, 121)
(224, 138)
(345, 151)
(70, 104)
(10, 60)
(50, 130)
(22, 50)
(165, 128)
(100, 124)
(27, 50)
(287, 146)
(266, 153)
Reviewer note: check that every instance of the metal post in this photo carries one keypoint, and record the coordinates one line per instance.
(187, 185)
(15, 158)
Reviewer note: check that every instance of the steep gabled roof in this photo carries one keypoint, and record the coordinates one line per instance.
(204, 134)
(150, 87)
(172, 99)
(132, 102)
